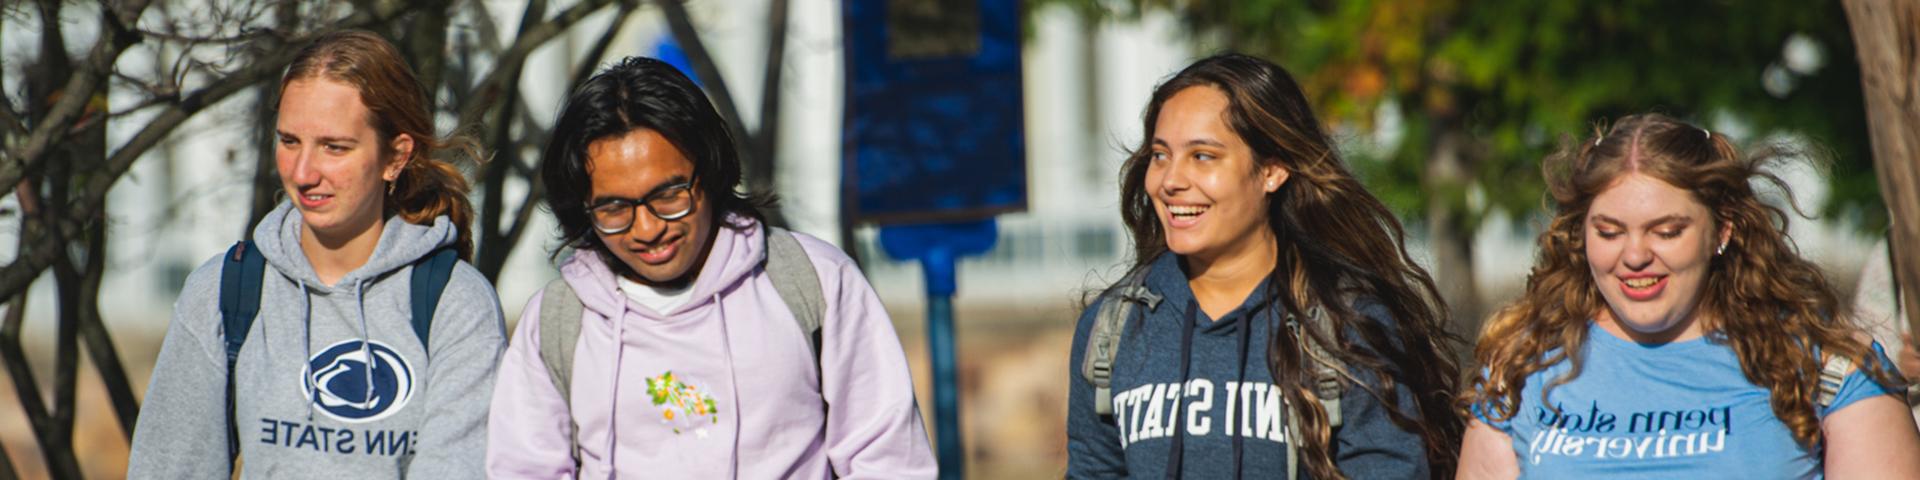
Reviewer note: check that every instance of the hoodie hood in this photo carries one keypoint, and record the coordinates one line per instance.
(723, 385)
(401, 243)
(331, 380)
(739, 248)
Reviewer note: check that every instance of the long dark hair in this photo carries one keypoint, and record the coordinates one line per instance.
(1760, 297)
(1336, 242)
(637, 93)
(428, 186)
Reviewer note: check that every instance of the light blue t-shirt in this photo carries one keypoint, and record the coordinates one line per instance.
(1679, 410)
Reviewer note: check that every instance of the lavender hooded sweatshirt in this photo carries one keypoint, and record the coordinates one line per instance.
(722, 386)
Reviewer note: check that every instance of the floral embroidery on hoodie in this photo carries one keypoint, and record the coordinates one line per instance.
(672, 395)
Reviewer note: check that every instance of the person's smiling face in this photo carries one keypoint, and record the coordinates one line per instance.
(332, 163)
(638, 166)
(1208, 189)
(1649, 245)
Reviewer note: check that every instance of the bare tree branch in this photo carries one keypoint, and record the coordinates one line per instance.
(44, 420)
(591, 61)
(765, 137)
(495, 84)
(10, 119)
(37, 255)
(681, 25)
(493, 248)
(115, 37)
(759, 169)
(93, 331)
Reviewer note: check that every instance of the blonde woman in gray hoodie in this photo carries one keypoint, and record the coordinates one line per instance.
(362, 344)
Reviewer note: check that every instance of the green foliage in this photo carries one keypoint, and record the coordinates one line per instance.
(1519, 77)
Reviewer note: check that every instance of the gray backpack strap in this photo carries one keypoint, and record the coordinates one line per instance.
(560, 311)
(1293, 444)
(1326, 368)
(1103, 342)
(798, 285)
(1326, 376)
(1833, 374)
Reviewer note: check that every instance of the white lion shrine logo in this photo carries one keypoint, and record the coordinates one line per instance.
(358, 385)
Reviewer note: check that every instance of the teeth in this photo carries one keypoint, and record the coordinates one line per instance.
(1185, 209)
(315, 197)
(1642, 282)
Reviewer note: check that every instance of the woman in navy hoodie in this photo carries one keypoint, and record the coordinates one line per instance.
(1270, 298)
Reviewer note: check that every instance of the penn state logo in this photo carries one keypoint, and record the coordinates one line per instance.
(358, 385)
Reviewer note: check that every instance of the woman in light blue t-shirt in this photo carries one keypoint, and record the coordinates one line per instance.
(1670, 330)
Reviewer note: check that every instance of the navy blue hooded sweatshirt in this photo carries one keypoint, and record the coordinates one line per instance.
(1225, 391)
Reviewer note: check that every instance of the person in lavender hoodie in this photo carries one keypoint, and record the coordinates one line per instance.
(688, 361)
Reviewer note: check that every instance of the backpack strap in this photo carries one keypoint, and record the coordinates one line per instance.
(1326, 380)
(560, 311)
(241, 272)
(430, 276)
(793, 276)
(1326, 368)
(798, 284)
(1103, 343)
(1833, 374)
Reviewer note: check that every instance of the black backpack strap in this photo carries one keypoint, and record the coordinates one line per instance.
(241, 273)
(430, 276)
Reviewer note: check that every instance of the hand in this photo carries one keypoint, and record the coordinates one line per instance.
(1909, 361)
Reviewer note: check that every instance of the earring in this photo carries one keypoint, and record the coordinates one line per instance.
(1722, 250)
(1270, 185)
(390, 190)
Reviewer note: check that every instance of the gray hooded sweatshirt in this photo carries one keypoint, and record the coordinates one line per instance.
(425, 416)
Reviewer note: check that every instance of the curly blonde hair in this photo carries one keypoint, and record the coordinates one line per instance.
(1760, 297)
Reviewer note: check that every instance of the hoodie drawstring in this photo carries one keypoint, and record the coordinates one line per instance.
(613, 383)
(1180, 396)
(733, 384)
(306, 345)
(1240, 376)
(366, 340)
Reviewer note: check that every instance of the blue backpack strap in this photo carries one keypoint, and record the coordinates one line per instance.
(240, 276)
(430, 276)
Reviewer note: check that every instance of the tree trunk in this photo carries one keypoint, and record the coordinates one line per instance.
(1448, 236)
(266, 176)
(425, 43)
(1886, 36)
(758, 166)
(491, 236)
(98, 342)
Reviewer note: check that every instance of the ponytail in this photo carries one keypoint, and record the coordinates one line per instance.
(429, 187)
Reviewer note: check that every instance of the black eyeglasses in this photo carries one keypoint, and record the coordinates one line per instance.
(615, 215)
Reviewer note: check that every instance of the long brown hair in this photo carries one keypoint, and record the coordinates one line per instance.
(1335, 242)
(428, 187)
(1760, 297)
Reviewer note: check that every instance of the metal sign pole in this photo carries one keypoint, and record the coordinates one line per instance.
(939, 268)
